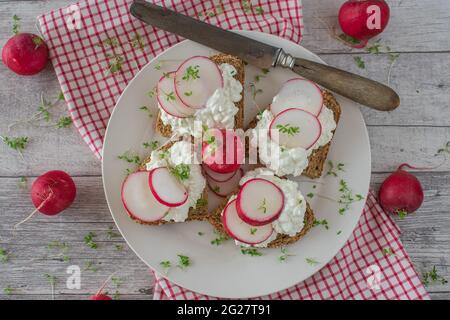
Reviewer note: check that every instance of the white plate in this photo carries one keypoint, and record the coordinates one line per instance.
(222, 271)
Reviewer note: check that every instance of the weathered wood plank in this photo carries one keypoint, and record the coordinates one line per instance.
(415, 25)
(421, 80)
(425, 235)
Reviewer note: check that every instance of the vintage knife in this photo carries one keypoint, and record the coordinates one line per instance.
(365, 91)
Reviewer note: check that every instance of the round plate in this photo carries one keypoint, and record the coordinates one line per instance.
(223, 271)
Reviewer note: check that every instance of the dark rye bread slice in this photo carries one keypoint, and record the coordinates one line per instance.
(318, 157)
(215, 218)
(238, 64)
(199, 213)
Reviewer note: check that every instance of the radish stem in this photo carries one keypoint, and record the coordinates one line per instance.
(34, 211)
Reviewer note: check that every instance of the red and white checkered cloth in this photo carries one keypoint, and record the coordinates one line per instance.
(361, 270)
(80, 51)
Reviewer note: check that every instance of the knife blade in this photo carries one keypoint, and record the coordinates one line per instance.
(365, 91)
(249, 50)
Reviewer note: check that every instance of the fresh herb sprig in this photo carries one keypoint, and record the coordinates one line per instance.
(288, 129)
(284, 255)
(192, 73)
(89, 240)
(263, 206)
(220, 238)
(347, 197)
(312, 261)
(4, 255)
(181, 171)
(359, 62)
(432, 277)
(16, 24)
(62, 247)
(250, 251)
(334, 168)
(323, 223)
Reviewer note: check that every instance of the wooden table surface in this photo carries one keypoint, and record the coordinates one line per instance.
(418, 30)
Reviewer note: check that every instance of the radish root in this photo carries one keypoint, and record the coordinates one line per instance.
(105, 283)
(49, 196)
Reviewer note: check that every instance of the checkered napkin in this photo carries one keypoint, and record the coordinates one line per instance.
(89, 39)
(373, 264)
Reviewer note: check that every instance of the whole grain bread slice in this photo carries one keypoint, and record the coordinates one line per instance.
(199, 213)
(215, 218)
(238, 64)
(317, 159)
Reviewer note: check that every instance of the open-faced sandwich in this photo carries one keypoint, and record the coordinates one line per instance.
(294, 134)
(202, 90)
(267, 211)
(170, 187)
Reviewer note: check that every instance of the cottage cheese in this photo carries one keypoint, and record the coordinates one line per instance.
(283, 160)
(219, 111)
(181, 153)
(291, 220)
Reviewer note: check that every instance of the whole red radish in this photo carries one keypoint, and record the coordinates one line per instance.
(223, 150)
(99, 295)
(364, 19)
(401, 192)
(53, 192)
(25, 54)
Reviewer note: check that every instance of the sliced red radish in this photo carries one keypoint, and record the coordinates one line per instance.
(298, 93)
(217, 177)
(196, 80)
(242, 231)
(168, 99)
(295, 128)
(166, 188)
(139, 201)
(224, 189)
(259, 202)
(223, 150)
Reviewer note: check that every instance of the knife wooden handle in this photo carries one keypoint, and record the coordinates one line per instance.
(365, 91)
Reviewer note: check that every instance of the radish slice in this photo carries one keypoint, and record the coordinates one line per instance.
(295, 128)
(242, 231)
(216, 176)
(196, 80)
(224, 189)
(139, 201)
(259, 202)
(166, 188)
(298, 93)
(168, 100)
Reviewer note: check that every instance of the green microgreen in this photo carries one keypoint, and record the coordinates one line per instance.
(284, 255)
(191, 73)
(288, 129)
(183, 261)
(220, 238)
(312, 261)
(432, 277)
(64, 122)
(181, 171)
(16, 24)
(335, 168)
(359, 62)
(89, 240)
(250, 251)
(323, 222)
